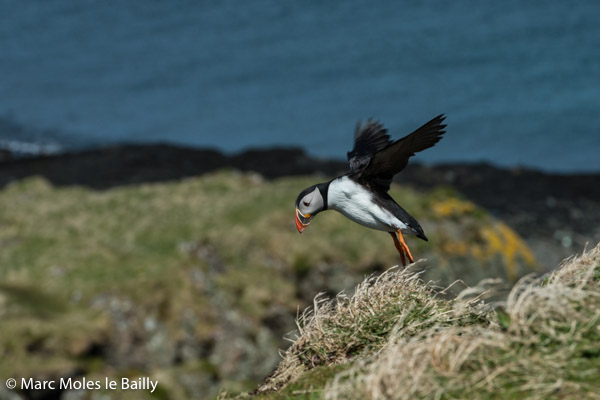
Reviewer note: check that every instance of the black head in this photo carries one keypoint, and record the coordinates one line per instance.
(309, 203)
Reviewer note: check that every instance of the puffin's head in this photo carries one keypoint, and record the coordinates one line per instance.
(309, 203)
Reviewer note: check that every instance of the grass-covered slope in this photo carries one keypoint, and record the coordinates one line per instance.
(395, 339)
(195, 282)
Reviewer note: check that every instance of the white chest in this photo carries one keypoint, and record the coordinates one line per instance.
(356, 203)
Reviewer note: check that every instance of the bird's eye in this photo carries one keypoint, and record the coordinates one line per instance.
(306, 203)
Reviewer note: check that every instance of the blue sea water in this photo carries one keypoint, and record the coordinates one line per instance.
(519, 80)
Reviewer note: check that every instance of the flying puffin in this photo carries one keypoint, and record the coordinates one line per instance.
(362, 194)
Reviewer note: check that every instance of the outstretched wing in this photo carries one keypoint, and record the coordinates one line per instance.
(393, 158)
(368, 140)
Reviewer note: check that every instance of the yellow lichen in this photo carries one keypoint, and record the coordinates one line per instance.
(452, 207)
(500, 239)
(489, 241)
(455, 248)
(514, 247)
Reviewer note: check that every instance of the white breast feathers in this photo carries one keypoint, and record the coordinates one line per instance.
(357, 203)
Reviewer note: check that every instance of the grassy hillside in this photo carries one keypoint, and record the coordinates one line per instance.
(195, 282)
(395, 339)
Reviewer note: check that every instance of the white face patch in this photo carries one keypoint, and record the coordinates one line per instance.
(311, 203)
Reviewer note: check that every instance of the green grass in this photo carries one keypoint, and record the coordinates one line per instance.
(201, 260)
(309, 386)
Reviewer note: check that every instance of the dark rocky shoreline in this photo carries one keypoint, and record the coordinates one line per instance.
(557, 214)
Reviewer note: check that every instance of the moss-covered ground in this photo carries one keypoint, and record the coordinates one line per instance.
(195, 282)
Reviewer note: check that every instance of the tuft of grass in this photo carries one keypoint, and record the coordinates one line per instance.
(395, 338)
(342, 330)
(542, 344)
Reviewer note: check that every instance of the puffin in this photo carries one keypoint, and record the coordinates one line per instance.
(362, 195)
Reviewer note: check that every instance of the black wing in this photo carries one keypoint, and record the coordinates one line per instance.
(393, 158)
(368, 140)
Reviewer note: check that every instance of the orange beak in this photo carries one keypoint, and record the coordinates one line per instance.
(302, 221)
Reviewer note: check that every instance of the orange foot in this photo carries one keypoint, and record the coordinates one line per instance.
(402, 247)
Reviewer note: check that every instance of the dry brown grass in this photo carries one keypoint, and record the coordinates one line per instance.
(395, 303)
(396, 338)
(543, 344)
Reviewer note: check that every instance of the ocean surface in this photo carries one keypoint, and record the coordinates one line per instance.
(518, 80)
